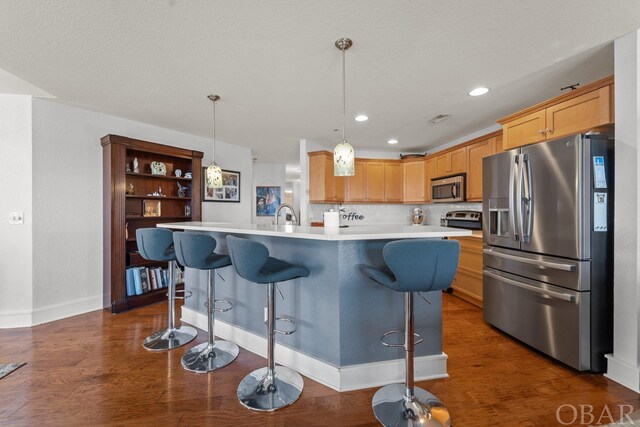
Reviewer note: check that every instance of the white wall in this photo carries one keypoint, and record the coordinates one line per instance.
(16, 277)
(271, 175)
(67, 200)
(624, 364)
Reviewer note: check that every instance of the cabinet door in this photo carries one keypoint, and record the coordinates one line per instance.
(468, 281)
(317, 175)
(525, 130)
(355, 185)
(429, 173)
(579, 114)
(334, 184)
(441, 165)
(374, 182)
(458, 161)
(393, 181)
(475, 154)
(413, 181)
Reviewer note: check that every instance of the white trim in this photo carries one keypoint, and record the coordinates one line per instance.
(353, 377)
(623, 373)
(66, 309)
(15, 319)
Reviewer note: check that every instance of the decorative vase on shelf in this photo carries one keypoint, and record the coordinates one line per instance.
(178, 172)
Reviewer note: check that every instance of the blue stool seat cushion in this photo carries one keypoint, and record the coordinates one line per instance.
(252, 262)
(155, 244)
(196, 251)
(419, 265)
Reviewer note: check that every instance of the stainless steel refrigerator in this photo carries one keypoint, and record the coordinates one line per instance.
(548, 234)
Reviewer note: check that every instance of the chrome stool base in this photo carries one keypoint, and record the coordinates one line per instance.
(260, 392)
(169, 338)
(205, 357)
(392, 408)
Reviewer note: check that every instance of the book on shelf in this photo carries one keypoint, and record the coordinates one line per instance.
(152, 279)
(157, 273)
(165, 278)
(130, 284)
(137, 280)
(144, 277)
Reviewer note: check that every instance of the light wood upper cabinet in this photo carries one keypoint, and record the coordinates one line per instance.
(578, 111)
(355, 185)
(475, 153)
(374, 181)
(414, 181)
(323, 186)
(429, 173)
(450, 163)
(392, 181)
(525, 130)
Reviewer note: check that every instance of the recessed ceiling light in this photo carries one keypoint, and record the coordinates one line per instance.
(479, 91)
(392, 141)
(361, 118)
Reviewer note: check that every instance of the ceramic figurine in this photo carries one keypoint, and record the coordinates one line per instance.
(178, 173)
(182, 190)
(127, 168)
(135, 165)
(187, 210)
(187, 175)
(129, 189)
(158, 168)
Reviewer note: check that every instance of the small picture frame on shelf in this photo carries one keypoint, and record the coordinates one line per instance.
(230, 191)
(151, 208)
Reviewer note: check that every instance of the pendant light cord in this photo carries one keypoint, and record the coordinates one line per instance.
(344, 92)
(213, 155)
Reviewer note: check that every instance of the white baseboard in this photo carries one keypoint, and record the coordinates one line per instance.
(623, 373)
(15, 319)
(347, 378)
(70, 308)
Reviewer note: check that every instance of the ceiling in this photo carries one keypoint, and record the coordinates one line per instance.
(278, 73)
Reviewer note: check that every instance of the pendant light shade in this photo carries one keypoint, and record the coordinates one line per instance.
(343, 154)
(214, 173)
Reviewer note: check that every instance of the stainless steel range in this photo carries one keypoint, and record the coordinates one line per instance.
(548, 256)
(471, 220)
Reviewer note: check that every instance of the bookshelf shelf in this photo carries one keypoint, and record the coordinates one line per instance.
(123, 213)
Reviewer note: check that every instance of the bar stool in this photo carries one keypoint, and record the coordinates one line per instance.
(196, 251)
(156, 244)
(419, 265)
(273, 387)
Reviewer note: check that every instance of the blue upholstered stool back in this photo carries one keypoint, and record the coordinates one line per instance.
(422, 265)
(194, 250)
(155, 244)
(248, 257)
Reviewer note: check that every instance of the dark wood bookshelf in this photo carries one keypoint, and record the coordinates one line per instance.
(123, 213)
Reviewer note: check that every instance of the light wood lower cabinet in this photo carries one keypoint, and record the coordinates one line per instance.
(468, 281)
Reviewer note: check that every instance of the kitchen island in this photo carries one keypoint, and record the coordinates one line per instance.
(340, 314)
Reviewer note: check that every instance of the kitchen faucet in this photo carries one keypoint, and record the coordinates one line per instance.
(294, 218)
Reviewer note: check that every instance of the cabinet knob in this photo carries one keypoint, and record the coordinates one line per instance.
(548, 130)
(541, 131)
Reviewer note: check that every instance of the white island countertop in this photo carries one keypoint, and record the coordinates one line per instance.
(357, 232)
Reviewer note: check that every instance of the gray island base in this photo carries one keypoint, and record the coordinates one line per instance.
(340, 314)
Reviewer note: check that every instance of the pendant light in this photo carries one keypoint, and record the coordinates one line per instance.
(214, 173)
(343, 154)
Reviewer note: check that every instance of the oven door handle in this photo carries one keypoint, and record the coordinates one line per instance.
(547, 292)
(548, 264)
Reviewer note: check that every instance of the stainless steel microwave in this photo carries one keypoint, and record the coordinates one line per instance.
(447, 190)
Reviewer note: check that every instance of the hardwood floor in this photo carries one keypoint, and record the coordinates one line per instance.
(92, 370)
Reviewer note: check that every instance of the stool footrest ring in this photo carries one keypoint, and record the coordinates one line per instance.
(185, 294)
(285, 319)
(386, 344)
(220, 309)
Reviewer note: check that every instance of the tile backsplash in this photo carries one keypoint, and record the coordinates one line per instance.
(389, 214)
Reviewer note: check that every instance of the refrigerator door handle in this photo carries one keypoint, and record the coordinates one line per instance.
(528, 198)
(547, 292)
(519, 199)
(547, 264)
(512, 205)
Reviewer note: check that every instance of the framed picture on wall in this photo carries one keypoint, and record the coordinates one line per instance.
(230, 191)
(267, 200)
